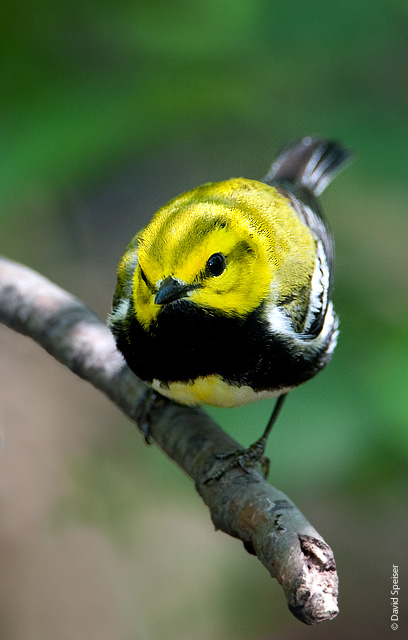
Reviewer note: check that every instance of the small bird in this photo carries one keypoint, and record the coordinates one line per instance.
(224, 298)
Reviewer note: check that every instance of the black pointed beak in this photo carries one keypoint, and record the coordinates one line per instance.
(172, 289)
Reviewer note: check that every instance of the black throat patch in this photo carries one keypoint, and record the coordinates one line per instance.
(188, 341)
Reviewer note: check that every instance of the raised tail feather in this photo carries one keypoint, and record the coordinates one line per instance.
(309, 162)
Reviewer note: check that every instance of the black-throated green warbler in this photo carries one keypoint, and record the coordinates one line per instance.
(224, 298)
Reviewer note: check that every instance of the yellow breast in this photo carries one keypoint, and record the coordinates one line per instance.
(212, 390)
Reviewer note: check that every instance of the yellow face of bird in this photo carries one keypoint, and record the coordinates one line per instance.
(221, 246)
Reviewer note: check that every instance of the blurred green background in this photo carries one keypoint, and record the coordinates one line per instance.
(109, 109)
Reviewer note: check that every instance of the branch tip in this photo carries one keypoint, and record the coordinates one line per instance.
(241, 503)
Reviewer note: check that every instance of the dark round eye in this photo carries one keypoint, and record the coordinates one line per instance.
(216, 264)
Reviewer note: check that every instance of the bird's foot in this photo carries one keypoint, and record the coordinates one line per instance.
(142, 413)
(244, 458)
(247, 458)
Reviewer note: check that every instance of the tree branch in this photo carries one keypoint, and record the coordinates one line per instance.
(241, 504)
